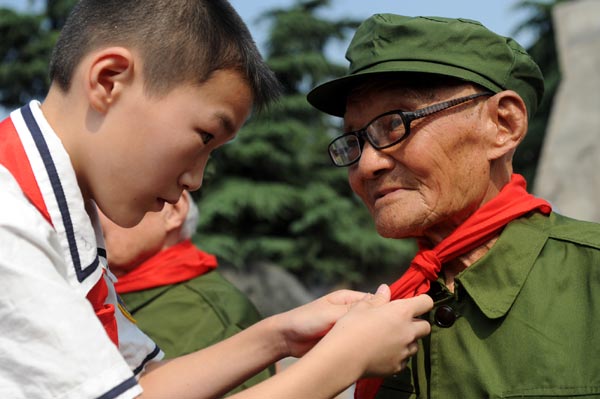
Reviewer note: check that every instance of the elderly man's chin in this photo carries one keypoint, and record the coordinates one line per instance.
(398, 224)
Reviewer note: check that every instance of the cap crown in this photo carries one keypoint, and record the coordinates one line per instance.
(460, 48)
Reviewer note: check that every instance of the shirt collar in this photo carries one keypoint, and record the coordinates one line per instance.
(495, 280)
(57, 181)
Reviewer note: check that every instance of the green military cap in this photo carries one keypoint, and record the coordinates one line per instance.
(459, 48)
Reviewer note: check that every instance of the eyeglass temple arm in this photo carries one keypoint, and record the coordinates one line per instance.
(446, 104)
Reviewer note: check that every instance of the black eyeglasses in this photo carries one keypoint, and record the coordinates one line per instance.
(386, 130)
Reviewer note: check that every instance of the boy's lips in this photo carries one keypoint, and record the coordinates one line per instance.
(170, 199)
(160, 203)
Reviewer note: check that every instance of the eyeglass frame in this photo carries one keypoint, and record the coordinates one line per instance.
(407, 117)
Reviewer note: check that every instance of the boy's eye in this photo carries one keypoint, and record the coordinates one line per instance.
(206, 137)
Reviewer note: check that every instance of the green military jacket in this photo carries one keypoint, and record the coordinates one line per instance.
(185, 317)
(523, 322)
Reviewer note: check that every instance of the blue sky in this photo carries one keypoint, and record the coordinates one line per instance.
(498, 15)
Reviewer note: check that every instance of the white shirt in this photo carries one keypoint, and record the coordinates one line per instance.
(51, 343)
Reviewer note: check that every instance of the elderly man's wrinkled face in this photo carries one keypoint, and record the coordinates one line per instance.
(429, 183)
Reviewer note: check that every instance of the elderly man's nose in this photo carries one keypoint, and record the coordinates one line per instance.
(373, 161)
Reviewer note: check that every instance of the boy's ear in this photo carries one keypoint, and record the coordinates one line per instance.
(111, 70)
(508, 116)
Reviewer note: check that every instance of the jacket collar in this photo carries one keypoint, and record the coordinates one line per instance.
(495, 280)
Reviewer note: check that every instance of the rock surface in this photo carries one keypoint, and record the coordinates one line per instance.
(568, 174)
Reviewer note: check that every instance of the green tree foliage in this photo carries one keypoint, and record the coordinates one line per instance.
(543, 50)
(27, 41)
(276, 195)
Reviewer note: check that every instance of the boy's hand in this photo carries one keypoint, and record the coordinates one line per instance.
(380, 336)
(304, 326)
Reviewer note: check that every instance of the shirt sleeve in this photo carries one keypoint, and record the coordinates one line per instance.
(51, 343)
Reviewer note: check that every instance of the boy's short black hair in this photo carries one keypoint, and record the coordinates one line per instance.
(180, 41)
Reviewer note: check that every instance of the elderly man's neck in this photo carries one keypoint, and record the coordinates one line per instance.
(452, 268)
(500, 175)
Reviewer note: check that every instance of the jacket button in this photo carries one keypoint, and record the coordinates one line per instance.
(444, 316)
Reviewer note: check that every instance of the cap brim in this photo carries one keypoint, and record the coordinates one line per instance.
(330, 97)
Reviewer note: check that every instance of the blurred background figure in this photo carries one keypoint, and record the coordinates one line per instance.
(171, 287)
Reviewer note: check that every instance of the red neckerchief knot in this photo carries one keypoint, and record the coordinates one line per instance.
(428, 262)
(484, 224)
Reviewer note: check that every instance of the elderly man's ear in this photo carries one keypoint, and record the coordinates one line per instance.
(175, 214)
(508, 119)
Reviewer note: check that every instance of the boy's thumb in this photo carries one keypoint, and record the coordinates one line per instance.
(382, 294)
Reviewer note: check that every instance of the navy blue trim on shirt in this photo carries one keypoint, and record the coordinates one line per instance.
(42, 147)
(119, 389)
(102, 252)
(150, 356)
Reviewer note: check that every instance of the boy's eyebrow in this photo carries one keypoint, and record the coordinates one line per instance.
(226, 122)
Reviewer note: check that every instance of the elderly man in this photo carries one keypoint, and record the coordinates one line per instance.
(433, 110)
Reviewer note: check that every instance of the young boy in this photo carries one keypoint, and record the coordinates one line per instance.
(141, 93)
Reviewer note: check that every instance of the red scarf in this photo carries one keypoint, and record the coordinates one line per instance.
(178, 263)
(14, 158)
(512, 202)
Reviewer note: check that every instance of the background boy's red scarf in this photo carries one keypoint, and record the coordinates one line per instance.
(512, 202)
(178, 263)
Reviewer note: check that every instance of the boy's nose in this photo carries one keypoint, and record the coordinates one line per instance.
(192, 180)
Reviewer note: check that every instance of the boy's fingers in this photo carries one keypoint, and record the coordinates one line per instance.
(384, 289)
(423, 327)
(382, 295)
(420, 304)
(346, 297)
(413, 348)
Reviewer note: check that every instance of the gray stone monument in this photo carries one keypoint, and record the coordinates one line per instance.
(569, 170)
